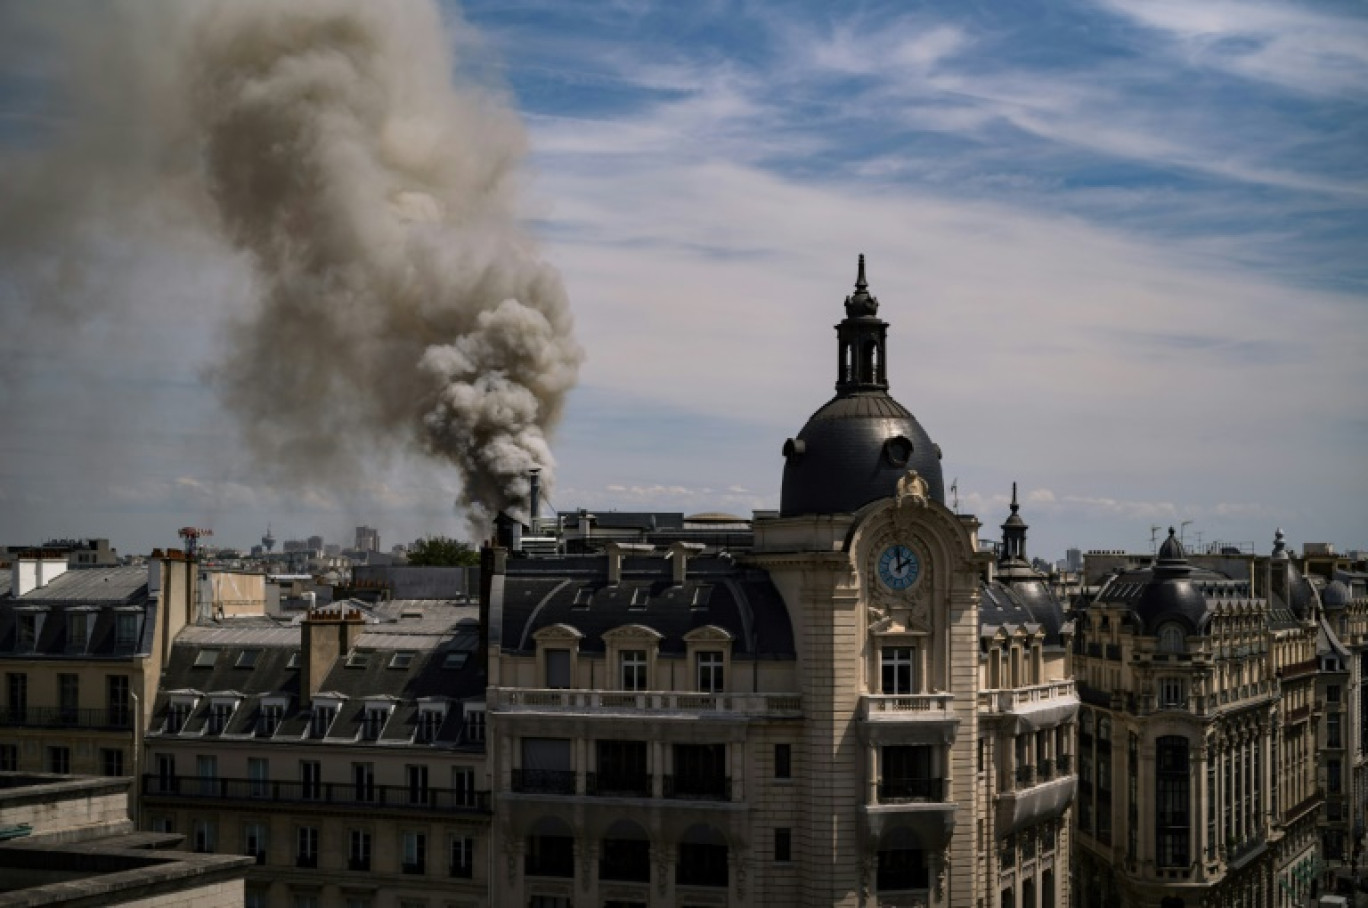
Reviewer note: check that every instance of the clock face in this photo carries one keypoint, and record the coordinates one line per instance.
(899, 567)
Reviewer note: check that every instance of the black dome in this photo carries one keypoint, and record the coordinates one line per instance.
(853, 451)
(856, 448)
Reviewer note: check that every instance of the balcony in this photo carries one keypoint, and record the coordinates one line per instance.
(698, 788)
(334, 794)
(113, 718)
(1038, 794)
(622, 785)
(911, 791)
(544, 781)
(908, 707)
(656, 704)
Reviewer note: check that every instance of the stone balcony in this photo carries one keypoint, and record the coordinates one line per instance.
(656, 704)
(1031, 708)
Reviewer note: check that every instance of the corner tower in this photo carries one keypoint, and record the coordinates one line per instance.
(860, 443)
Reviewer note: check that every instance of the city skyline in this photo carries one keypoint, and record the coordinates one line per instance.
(1115, 245)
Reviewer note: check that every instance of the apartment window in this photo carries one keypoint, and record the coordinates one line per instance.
(897, 670)
(16, 684)
(702, 859)
(462, 857)
(463, 786)
(163, 824)
(359, 901)
(78, 631)
(363, 780)
(176, 714)
(1334, 776)
(417, 776)
(206, 658)
(783, 761)
(68, 697)
(321, 720)
(27, 633)
(268, 719)
(304, 899)
(373, 722)
(112, 761)
(59, 760)
(710, 672)
(310, 780)
(475, 724)
(783, 845)
(1171, 639)
(9, 758)
(414, 848)
(625, 854)
(254, 897)
(125, 630)
(558, 668)
(219, 714)
(1172, 692)
(1332, 693)
(700, 771)
(429, 721)
(258, 777)
(205, 836)
(402, 659)
(1332, 730)
(359, 850)
(306, 846)
(206, 767)
(254, 841)
(166, 773)
(633, 662)
(116, 691)
(1171, 823)
(621, 769)
(550, 852)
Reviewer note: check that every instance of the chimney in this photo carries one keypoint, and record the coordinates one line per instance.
(34, 570)
(616, 551)
(680, 553)
(535, 504)
(328, 634)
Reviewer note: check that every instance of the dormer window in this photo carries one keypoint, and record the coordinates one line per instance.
(30, 625)
(373, 722)
(1172, 639)
(401, 659)
(430, 720)
(78, 631)
(176, 714)
(268, 719)
(220, 712)
(321, 720)
(127, 626)
(475, 723)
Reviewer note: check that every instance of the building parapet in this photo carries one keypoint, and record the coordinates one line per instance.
(907, 707)
(1019, 698)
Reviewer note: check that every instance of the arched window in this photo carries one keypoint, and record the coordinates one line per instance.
(1172, 639)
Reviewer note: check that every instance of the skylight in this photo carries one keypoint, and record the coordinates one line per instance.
(248, 658)
(455, 660)
(402, 659)
(206, 658)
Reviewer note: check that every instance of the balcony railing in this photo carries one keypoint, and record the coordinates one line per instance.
(1065, 764)
(525, 700)
(65, 717)
(915, 707)
(1045, 769)
(700, 788)
(632, 785)
(544, 781)
(396, 797)
(902, 791)
(1011, 699)
(1025, 775)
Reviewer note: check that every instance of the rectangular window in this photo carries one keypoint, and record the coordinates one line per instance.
(59, 760)
(206, 767)
(205, 836)
(621, 769)
(1334, 776)
(125, 630)
(783, 761)
(78, 631)
(120, 711)
(219, 715)
(633, 663)
(166, 773)
(1332, 693)
(363, 781)
(9, 758)
(700, 771)
(254, 841)
(27, 633)
(306, 846)
(176, 714)
(68, 698)
(429, 723)
(373, 722)
(462, 857)
(268, 720)
(112, 761)
(558, 668)
(710, 672)
(16, 684)
(897, 675)
(321, 721)
(1172, 692)
(1332, 731)
(359, 850)
(418, 792)
(258, 777)
(546, 767)
(475, 724)
(414, 846)
(463, 786)
(310, 780)
(783, 845)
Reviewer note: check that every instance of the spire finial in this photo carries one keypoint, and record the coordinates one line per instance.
(1015, 507)
(860, 282)
(861, 303)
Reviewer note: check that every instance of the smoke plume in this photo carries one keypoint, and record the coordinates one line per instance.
(397, 299)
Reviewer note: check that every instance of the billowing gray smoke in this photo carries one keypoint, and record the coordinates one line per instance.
(397, 297)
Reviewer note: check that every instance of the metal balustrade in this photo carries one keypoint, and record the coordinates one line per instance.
(544, 781)
(113, 717)
(387, 797)
(529, 700)
(898, 791)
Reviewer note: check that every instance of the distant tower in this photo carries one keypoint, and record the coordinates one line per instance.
(268, 541)
(367, 539)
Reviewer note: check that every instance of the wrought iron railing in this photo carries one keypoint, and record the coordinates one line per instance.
(401, 797)
(66, 717)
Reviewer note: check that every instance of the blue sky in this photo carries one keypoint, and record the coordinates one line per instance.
(1122, 248)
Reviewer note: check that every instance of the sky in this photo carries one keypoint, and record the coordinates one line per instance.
(1122, 248)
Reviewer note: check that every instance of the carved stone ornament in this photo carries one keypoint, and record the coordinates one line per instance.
(913, 490)
(941, 872)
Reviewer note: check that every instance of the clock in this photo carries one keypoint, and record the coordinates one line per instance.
(899, 567)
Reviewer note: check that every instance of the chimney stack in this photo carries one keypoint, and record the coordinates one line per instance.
(535, 504)
(680, 553)
(329, 634)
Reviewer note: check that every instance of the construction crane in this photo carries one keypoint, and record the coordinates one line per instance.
(192, 535)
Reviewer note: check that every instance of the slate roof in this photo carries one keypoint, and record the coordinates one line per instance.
(574, 590)
(106, 584)
(98, 593)
(1187, 599)
(378, 670)
(1021, 602)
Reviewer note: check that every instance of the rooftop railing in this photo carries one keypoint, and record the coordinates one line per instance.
(506, 699)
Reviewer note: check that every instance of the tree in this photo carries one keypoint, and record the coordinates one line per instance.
(439, 551)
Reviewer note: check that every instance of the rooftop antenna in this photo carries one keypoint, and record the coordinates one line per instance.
(1154, 537)
(1181, 527)
(1199, 542)
(954, 483)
